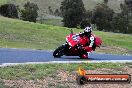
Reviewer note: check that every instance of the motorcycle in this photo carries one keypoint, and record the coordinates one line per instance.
(73, 46)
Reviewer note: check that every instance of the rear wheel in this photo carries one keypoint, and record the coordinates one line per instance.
(59, 52)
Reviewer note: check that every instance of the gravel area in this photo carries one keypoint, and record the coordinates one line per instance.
(64, 79)
(113, 50)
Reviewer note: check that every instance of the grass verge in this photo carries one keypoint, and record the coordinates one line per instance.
(39, 71)
(54, 22)
(58, 75)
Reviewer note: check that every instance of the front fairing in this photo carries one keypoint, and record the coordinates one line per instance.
(72, 39)
(70, 51)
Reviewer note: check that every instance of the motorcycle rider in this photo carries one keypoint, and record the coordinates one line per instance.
(89, 46)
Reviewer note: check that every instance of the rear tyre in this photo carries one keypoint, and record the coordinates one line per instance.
(59, 52)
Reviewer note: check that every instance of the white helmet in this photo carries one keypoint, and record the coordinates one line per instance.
(88, 30)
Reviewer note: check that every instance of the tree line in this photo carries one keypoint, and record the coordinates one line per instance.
(76, 16)
(28, 13)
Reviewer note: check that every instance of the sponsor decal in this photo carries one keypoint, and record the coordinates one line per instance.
(84, 78)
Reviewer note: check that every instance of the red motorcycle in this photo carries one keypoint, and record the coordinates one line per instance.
(73, 46)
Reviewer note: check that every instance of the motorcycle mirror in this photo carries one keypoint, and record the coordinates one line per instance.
(71, 31)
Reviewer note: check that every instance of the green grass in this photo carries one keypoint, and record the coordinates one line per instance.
(54, 22)
(19, 34)
(116, 39)
(19, 2)
(39, 71)
(3, 2)
(129, 64)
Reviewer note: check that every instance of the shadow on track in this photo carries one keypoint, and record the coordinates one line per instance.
(75, 58)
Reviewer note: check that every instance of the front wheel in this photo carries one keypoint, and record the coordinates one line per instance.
(59, 52)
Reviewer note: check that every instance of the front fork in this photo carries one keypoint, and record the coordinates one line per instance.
(66, 48)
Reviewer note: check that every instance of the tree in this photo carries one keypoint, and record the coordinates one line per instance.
(129, 3)
(119, 23)
(122, 21)
(72, 12)
(106, 2)
(124, 14)
(29, 13)
(9, 10)
(86, 19)
(102, 17)
(57, 13)
(50, 10)
(128, 7)
(84, 23)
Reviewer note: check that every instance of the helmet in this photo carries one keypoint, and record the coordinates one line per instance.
(88, 30)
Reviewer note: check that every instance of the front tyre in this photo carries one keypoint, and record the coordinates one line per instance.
(59, 52)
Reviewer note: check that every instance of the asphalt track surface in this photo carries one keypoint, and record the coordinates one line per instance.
(36, 56)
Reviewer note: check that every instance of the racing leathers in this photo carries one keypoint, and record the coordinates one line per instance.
(89, 46)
